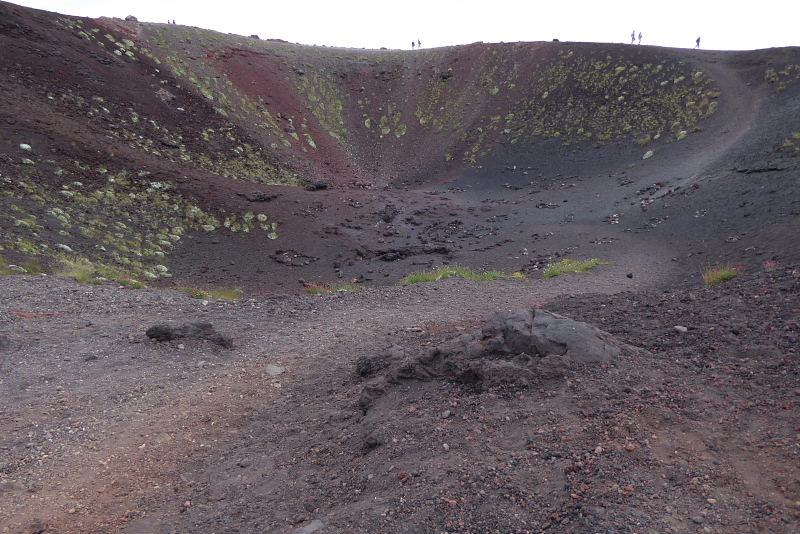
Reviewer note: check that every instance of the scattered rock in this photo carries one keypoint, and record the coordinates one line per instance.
(371, 442)
(389, 213)
(293, 258)
(680, 329)
(309, 528)
(417, 250)
(170, 143)
(25, 146)
(762, 168)
(36, 526)
(315, 186)
(259, 196)
(131, 18)
(274, 370)
(165, 95)
(372, 364)
(164, 332)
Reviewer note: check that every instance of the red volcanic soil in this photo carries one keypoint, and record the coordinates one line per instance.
(251, 418)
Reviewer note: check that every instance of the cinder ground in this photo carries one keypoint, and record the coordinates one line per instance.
(104, 430)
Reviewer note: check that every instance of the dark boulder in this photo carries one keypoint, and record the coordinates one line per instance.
(165, 332)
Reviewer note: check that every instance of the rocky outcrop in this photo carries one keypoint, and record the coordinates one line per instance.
(514, 349)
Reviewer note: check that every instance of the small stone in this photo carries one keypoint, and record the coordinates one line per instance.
(630, 447)
(681, 329)
(274, 370)
(629, 275)
(25, 146)
(37, 526)
(445, 414)
(711, 501)
(181, 346)
(310, 528)
(446, 447)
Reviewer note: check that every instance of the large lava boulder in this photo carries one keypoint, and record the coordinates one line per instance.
(543, 333)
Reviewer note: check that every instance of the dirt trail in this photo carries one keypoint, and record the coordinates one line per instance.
(115, 425)
(145, 406)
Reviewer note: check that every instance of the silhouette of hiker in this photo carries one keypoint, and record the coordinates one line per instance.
(633, 36)
(412, 45)
(419, 43)
(698, 43)
(640, 37)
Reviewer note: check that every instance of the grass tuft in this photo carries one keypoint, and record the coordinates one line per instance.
(84, 271)
(449, 271)
(4, 270)
(316, 289)
(571, 266)
(31, 267)
(226, 293)
(720, 273)
(194, 292)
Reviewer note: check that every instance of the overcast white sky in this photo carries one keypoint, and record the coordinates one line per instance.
(722, 25)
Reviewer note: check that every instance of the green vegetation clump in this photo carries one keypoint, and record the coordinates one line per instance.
(325, 99)
(571, 266)
(316, 289)
(4, 268)
(782, 78)
(720, 273)
(130, 224)
(580, 97)
(194, 292)
(449, 271)
(84, 271)
(226, 293)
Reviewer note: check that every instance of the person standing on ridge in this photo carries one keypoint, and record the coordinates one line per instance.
(633, 36)
(698, 43)
(412, 45)
(640, 37)
(419, 43)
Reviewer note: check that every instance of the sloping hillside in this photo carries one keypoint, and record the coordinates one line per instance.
(164, 153)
